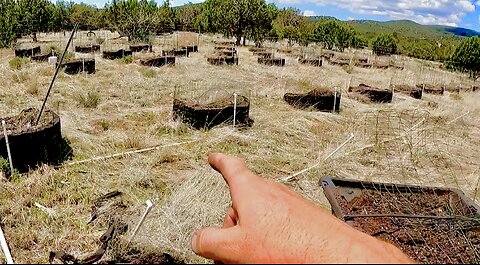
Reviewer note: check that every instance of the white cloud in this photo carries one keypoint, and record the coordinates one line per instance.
(443, 12)
(309, 13)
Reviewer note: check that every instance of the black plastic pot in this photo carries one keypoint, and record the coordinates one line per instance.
(158, 61)
(207, 116)
(35, 145)
(113, 55)
(28, 52)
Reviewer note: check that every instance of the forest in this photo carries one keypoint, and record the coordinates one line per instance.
(255, 20)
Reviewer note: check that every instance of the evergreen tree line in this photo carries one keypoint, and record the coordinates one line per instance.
(254, 20)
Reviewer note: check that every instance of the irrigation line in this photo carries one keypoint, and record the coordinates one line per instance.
(457, 118)
(56, 73)
(289, 178)
(157, 147)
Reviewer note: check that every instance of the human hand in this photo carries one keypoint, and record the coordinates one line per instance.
(269, 223)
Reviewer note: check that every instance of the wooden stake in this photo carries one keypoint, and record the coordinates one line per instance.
(4, 125)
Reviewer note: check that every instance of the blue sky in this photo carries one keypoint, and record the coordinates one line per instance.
(462, 13)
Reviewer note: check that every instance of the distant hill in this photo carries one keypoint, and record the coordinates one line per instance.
(409, 29)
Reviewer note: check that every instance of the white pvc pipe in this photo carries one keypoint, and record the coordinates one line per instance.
(234, 109)
(4, 125)
(149, 208)
(5, 249)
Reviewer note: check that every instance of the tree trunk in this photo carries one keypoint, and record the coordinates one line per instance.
(34, 37)
(244, 41)
(239, 40)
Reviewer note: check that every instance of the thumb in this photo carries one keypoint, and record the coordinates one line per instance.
(220, 244)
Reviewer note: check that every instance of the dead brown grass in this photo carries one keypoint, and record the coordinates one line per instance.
(135, 112)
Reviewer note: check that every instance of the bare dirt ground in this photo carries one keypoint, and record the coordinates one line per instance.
(434, 141)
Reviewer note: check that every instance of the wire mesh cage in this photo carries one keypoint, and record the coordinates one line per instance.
(206, 108)
(430, 225)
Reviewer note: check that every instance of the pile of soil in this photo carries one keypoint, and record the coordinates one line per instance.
(314, 62)
(413, 91)
(113, 55)
(30, 144)
(158, 61)
(426, 240)
(76, 66)
(381, 65)
(373, 94)
(87, 48)
(271, 61)
(221, 60)
(27, 52)
(209, 115)
(141, 47)
(431, 89)
(321, 99)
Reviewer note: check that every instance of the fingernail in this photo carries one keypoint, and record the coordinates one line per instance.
(194, 242)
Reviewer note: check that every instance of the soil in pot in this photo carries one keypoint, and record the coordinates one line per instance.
(113, 55)
(429, 225)
(431, 89)
(368, 93)
(76, 66)
(320, 99)
(33, 145)
(209, 115)
(314, 62)
(141, 48)
(221, 60)
(158, 61)
(412, 91)
(87, 48)
(271, 61)
(27, 52)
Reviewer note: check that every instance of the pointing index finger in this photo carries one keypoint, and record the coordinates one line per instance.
(233, 170)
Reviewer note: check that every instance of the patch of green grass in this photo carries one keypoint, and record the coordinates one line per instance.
(20, 77)
(18, 62)
(455, 96)
(105, 125)
(128, 59)
(91, 100)
(149, 73)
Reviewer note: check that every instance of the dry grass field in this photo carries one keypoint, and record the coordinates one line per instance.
(124, 106)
